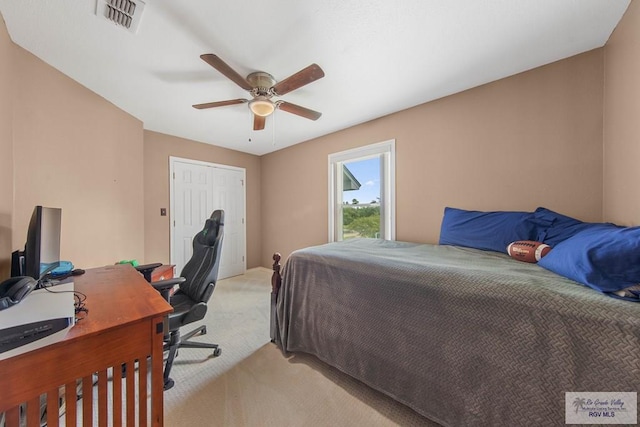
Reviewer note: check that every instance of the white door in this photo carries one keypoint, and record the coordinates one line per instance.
(197, 189)
(228, 193)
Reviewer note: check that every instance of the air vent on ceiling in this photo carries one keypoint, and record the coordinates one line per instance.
(125, 13)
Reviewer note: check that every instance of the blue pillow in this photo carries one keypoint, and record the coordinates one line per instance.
(490, 231)
(604, 257)
(562, 226)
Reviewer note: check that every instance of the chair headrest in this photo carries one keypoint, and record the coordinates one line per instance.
(212, 228)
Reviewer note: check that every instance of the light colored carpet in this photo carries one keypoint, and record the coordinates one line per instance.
(253, 384)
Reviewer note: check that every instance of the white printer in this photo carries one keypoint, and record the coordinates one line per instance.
(40, 319)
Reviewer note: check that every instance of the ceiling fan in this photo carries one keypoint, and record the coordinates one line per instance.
(263, 87)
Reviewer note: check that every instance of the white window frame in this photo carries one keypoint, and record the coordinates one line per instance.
(387, 151)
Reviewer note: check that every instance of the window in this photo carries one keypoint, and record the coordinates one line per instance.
(362, 192)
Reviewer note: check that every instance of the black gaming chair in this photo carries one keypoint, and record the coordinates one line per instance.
(197, 281)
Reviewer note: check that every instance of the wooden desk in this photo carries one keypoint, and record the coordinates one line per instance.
(123, 327)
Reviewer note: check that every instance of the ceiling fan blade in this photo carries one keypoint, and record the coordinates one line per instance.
(225, 70)
(303, 77)
(220, 103)
(258, 122)
(298, 110)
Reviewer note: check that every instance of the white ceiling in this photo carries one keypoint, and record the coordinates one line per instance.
(379, 56)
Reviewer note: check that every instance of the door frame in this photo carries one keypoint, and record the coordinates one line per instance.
(172, 161)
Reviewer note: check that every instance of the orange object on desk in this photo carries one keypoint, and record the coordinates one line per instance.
(163, 272)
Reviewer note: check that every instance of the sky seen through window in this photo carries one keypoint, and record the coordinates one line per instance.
(367, 172)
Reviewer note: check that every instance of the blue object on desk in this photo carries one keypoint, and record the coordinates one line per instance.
(63, 269)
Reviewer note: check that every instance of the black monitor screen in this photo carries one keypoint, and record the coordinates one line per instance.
(42, 250)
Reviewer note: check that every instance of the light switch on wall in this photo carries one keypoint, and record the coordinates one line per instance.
(163, 211)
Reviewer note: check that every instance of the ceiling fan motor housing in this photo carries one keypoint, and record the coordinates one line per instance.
(261, 83)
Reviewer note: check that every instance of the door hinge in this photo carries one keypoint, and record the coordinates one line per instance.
(174, 222)
(243, 259)
(242, 181)
(243, 220)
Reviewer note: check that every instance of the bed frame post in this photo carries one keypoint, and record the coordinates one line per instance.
(276, 281)
(276, 278)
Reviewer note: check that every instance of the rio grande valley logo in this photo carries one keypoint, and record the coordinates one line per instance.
(601, 407)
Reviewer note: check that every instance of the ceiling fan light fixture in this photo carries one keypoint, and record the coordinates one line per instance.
(262, 106)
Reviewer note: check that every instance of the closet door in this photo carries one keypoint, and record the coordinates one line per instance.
(197, 189)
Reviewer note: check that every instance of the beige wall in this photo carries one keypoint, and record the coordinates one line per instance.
(6, 149)
(157, 150)
(528, 140)
(74, 150)
(64, 146)
(622, 121)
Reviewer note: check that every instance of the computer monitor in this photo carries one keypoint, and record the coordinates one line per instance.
(42, 249)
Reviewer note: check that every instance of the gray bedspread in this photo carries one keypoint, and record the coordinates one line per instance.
(462, 336)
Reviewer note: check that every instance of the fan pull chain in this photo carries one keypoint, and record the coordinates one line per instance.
(273, 128)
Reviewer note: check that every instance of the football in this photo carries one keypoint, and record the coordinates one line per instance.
(528, 250)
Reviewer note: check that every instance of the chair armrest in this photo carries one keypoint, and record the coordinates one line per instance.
(147, 269)
(165, 286)
(161, 285)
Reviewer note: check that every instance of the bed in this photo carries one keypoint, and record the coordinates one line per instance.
(465, 337)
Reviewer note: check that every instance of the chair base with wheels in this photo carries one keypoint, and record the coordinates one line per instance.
(176, 341)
